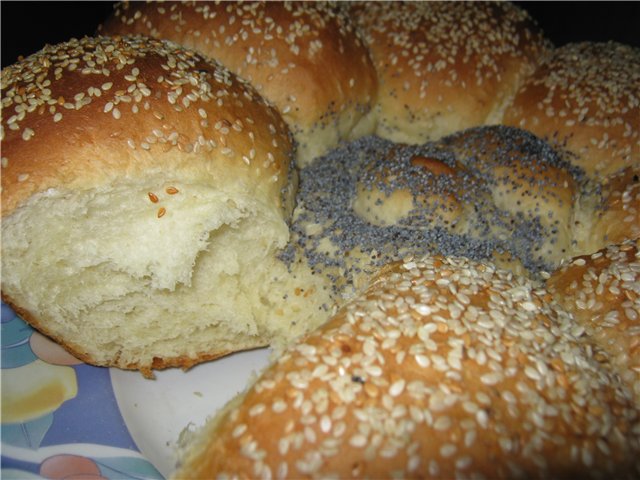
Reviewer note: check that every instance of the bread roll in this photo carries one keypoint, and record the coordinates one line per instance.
(602, 292)
(305, 57)
(146, 196)
(528, 179)
(445, 66)
(585, 98)
(487, 193)
(616, 217)
(429, 194)
(443, 368)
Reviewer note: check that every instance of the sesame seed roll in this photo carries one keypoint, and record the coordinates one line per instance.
(443, 368)
(602, 292)
(445, 66)
(121, 101)
(141, 185)
(305, 57)
(585, 98)
(612, 211)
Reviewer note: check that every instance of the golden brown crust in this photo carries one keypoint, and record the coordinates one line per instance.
(439, 71)
(88, 112)
(25, 315)
(305, 57)
(489, 192)
(585, 97)
(602, 291)
(94, 115)
(444, 367)
(146, 369)
(388, 199)
(527, 178)
(617, 218)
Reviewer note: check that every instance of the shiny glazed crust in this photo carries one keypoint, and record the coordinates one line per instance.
(304, 57)
(602, 292)
(438, 69)
(443, 367)
(585, 98)
(86, 112)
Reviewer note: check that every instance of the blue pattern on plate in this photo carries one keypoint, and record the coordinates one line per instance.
(93, 412)
(81, 431)
(15, 339)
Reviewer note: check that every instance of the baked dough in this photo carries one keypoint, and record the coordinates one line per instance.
(146, 195)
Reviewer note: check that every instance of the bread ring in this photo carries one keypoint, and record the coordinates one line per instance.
(152, 218)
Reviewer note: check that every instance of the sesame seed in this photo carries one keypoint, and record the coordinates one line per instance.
(257, 410)
(397, 388)
(464, 462)
(239, 430)
(448, 449)
(491, 378)
(358, 441)
(442, 423)
(27, 133)
(469, 438)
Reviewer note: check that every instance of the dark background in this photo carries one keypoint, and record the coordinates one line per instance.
(28, 26)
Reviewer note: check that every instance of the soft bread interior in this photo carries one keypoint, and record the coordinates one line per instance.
(157, 270)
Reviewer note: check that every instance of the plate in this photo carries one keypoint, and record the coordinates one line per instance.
(62, 418)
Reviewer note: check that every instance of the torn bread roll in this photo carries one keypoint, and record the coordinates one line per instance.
(146, 192)
(304, 57)
(443, 368)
